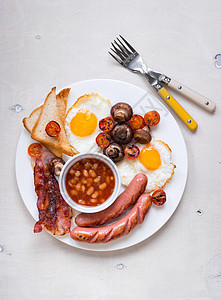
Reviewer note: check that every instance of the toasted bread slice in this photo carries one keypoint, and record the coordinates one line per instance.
(29, 123)
(61, 102)
(48, 113)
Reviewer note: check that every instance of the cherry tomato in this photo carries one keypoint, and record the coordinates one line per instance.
(53, 129)
(159, 197)
(35, 150)
(106, 124)
(137, 122)
(103, 140)
(131, 151)
(152, 118)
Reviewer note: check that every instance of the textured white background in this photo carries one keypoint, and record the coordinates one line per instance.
(180, 38)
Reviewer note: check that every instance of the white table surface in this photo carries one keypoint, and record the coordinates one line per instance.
(54, 43)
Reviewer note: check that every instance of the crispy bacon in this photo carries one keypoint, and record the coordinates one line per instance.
(54, 213)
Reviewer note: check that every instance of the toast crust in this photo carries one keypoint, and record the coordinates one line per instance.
(61, 102)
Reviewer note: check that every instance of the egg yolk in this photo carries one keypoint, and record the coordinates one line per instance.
(150, 157)
(83, 123)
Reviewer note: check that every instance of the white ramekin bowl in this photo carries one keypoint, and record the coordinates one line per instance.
(83, 208)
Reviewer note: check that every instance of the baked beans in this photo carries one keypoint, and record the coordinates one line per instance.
(89, 182)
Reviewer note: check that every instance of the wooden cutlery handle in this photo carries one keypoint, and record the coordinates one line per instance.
(178, 109)
(192, 96)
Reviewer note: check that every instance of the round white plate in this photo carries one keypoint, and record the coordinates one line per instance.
(167, 130)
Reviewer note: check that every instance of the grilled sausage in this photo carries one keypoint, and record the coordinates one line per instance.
(117, 229)
(127, 198)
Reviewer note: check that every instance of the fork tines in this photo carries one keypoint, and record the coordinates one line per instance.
(122, 49)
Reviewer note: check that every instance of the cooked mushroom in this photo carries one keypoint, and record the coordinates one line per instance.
(142, 136)
(121, 112)
(56, 165)
(122, 134)
(115, 152)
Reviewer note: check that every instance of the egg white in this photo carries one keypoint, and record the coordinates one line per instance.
(156, 178)
(95, 104)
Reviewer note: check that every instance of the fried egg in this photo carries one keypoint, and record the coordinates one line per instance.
(154, 161)
(82, 122)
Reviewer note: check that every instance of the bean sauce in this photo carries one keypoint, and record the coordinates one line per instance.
(90, 182)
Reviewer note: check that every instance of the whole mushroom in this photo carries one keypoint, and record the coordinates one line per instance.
(56, 166)
(115, 152)
(121, 112)
(143, 135)
(122, 134)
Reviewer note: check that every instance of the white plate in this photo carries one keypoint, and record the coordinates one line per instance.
(167, 130)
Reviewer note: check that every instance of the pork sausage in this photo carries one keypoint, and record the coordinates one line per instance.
(117, 229)
(127, 198)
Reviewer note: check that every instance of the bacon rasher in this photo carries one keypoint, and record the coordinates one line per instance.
(54, 213)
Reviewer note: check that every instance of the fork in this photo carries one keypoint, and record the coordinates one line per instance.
(129, 58)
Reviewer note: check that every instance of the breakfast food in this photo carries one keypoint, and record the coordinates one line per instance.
(53, 129)
(61, 104)
(35, 150)
(159, 197)
(127, 198)
(82, 122)
(48, 113)
(142, 135)
(136, 122)
(92, 125)
(106, 124)
(54, 213)
(130, 145)
(29, 123)
(154, 161)
(131, 151)
(103, 140)
(121, 112)
(90, 182)
(115, 152)
(152, 118)
(122, 129)
(122, 134)
(118, 229)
